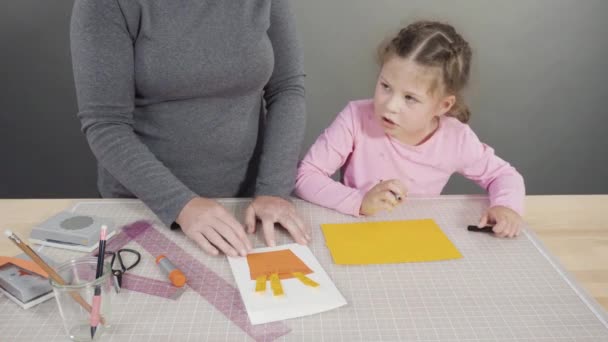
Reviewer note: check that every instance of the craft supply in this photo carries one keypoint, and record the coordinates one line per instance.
(98, 273)
(277, 265)
(283, 262)
(486, 229)
(119, 268)
(275, 285)
(80, 278)
(133, 282)
(71, 231)
(260, 283)
(23, 281)
(305, 280)
(217, 291)
(388, 242)
(175, 275)
(51, 272)
(25, 264)
(389, 302)
(290, 295)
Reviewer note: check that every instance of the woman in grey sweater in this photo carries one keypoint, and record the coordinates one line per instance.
(185, 101)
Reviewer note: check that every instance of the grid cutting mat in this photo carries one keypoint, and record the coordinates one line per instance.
(501, 290)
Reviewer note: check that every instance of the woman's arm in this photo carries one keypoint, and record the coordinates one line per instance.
(102, 57)
(285, 101)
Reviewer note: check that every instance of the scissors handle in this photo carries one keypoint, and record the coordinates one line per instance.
(117, 277)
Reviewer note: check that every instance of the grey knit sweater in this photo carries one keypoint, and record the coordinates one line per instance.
(189, 97)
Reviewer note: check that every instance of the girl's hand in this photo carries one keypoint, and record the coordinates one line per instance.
(385, 195)
(507, 223)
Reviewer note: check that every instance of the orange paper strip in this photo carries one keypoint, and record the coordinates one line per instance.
(25, 264)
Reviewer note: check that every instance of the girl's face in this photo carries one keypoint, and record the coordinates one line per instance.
(403, 102)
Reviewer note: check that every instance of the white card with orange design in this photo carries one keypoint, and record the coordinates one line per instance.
(298, 297)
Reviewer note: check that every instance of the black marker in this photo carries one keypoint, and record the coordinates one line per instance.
(486, 229)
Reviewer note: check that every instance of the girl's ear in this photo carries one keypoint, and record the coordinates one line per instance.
(446, 104)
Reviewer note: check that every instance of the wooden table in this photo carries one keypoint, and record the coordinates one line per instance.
(574, 229)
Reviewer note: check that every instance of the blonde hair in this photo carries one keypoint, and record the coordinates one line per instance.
(438, 45)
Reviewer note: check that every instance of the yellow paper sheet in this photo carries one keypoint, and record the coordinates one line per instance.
(388, 242)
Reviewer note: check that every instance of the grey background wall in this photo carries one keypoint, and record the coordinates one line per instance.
(44, 154)
(538, 88)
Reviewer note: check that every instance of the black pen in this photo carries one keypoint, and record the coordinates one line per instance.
(94, 319)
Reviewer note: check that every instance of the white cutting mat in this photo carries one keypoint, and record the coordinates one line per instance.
(501, 290)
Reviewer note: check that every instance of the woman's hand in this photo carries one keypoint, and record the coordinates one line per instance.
(270, 210)
(212, 227)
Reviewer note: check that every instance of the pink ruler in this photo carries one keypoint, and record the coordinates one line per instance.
(217, 291)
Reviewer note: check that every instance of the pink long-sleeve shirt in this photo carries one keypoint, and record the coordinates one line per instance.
(357, 143)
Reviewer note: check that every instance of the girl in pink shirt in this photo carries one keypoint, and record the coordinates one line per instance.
(411, 137)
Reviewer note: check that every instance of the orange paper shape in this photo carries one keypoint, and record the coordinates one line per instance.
(283, 262)
(24, 264)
